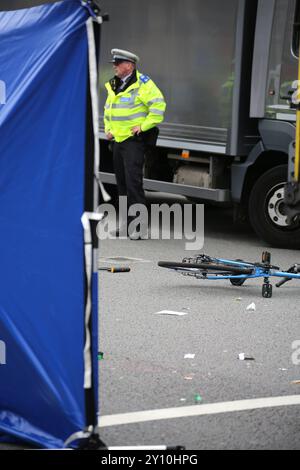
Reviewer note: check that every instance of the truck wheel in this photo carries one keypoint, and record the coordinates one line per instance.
(266, 210)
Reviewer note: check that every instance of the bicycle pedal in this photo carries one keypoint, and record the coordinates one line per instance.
(266, 257)
(267, 291)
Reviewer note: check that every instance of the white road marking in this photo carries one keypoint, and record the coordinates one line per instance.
(198, 410)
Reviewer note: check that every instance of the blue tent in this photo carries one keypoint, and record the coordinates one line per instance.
(48, 294)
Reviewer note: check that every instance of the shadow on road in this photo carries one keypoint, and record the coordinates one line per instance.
(218, 220)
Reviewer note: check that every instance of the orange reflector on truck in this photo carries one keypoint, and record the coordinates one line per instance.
(185, 154)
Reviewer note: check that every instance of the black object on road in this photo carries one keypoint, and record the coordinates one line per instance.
(116, 269)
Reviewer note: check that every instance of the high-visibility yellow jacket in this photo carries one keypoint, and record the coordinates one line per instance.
(141, 104)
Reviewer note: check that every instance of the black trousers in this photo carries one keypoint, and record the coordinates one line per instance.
(128, 165)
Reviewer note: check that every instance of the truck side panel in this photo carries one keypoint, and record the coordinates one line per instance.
(188, 49)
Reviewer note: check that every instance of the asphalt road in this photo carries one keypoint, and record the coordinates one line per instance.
(144, 366)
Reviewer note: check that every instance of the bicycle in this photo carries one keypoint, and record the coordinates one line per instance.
(237, 271)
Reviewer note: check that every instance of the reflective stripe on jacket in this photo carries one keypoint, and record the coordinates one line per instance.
(141, 104)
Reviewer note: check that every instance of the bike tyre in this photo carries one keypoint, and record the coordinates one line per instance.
(224, 268)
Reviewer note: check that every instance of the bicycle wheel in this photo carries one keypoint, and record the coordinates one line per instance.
(237, 282)
(211, 268)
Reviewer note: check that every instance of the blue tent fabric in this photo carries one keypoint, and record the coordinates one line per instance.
(95, 338)
(43, 71)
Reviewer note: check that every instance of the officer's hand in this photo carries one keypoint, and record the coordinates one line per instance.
(110, 136)
(136, 130)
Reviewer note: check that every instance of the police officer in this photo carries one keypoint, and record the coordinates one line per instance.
(133, 108)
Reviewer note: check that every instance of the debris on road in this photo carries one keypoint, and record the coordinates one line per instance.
(295, 382)
(115, 269)
(189, 356)
(251, 307)
(189, 377)
(100, 356)
(197, 398)
(243, 357)
(170, 312)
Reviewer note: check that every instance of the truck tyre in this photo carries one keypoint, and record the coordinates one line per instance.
(266, 210)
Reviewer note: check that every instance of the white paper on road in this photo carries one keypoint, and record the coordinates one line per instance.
(251, 307)
(170, 312)
(189, 356)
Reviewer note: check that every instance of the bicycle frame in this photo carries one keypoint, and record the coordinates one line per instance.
(259, 270)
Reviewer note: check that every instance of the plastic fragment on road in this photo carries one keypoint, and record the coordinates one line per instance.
(189, 356)
(171, 312)
(197, 398)
(251, 307)
(243, 357)
(100, 356)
